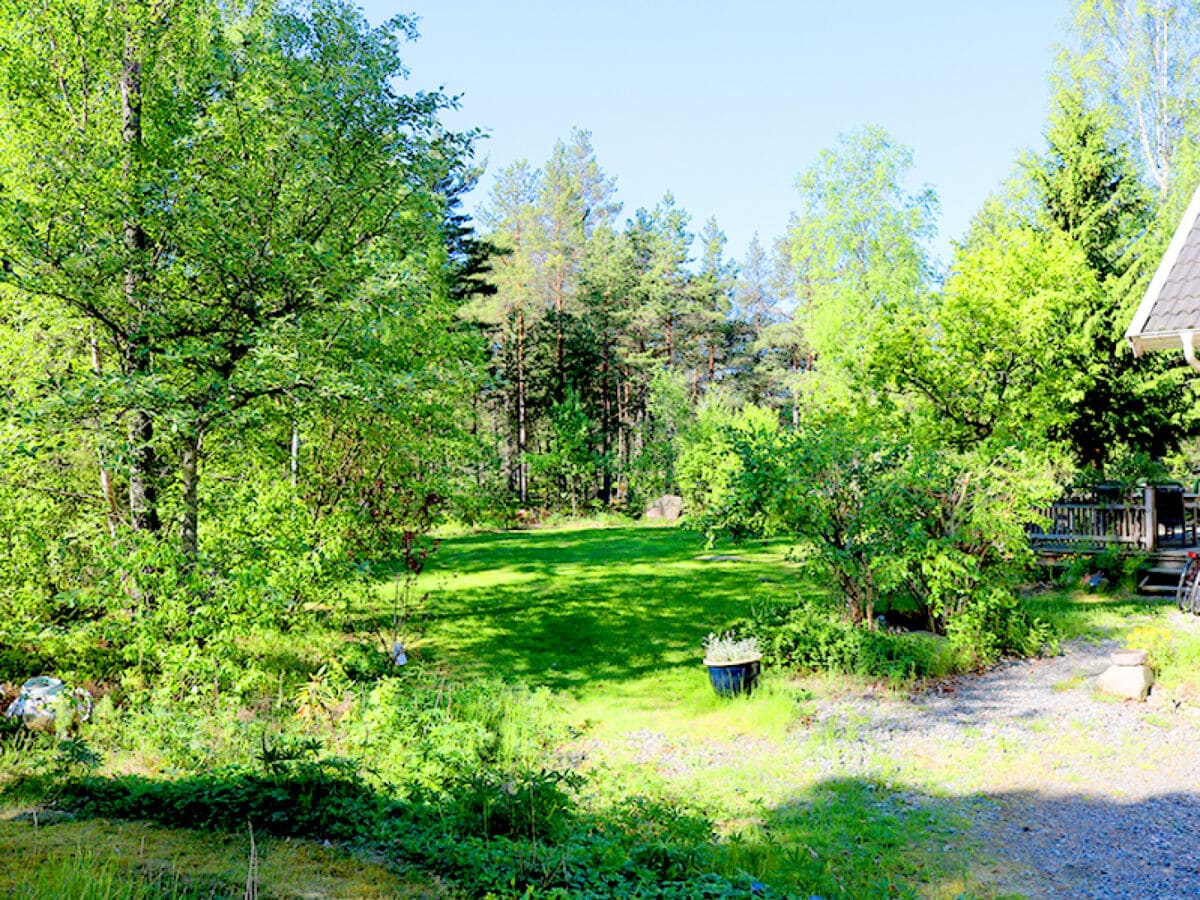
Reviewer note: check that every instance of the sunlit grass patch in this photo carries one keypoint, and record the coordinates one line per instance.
(130, 861)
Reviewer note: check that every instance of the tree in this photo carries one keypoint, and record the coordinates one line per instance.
(661, 245)
(857, 246)
(204, 189)
(773, 351)
(576, 199)
(511, 219)
(1142, 57)
(991, 355)
(1090, 193)
(712, 290)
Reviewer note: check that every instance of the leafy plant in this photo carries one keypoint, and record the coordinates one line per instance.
(892, 523)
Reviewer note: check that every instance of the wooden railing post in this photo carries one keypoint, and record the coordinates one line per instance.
(1150, 538)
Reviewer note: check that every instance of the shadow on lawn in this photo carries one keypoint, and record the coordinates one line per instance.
(588, 629)
(843, 837)
(1003, 844)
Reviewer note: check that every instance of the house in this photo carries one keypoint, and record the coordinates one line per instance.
(1168, 317)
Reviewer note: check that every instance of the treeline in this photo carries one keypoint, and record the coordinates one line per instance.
(608, 340)
(603, 337)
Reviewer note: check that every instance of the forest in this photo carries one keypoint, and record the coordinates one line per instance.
(258, 362)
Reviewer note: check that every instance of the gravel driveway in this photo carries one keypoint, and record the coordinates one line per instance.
(1080, 796)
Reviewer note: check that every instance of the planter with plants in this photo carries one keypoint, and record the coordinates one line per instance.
(734, 663)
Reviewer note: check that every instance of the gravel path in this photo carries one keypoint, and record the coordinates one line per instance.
(1083, 797)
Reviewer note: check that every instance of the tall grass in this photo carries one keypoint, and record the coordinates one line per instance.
(86, 876)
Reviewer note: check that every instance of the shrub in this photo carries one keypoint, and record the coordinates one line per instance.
(534, 805)
(812, 635)
(887, 521)
(425, 735)
(324, 798)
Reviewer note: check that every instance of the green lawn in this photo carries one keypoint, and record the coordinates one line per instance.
(611, 617)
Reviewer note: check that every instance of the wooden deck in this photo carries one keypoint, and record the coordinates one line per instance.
(1077, 525)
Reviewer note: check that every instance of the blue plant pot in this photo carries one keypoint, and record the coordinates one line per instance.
(731, 679)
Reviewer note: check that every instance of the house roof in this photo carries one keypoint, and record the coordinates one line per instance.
(1171, 307)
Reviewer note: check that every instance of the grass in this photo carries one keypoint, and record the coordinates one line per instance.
(613, 618)
(102, 860)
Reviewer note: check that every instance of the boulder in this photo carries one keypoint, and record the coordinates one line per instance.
(1129, 682)
(668, 508)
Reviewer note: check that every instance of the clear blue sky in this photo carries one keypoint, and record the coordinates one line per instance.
(724, 104)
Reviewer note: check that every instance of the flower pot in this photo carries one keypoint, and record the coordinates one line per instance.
(734, 677)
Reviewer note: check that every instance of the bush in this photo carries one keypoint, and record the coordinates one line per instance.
(536, 805)
(887, 521)
(811, 635)
(324, 798)
(426, 735)
(994, 625)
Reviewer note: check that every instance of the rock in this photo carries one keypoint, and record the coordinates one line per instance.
(1130, 658)
(1131, 682)
(44, 817)
(668, 508)
(35, 704)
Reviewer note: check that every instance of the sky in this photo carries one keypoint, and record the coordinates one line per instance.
(725, 104)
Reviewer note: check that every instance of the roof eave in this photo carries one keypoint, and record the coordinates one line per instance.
(1162, 340)
(1143, 342)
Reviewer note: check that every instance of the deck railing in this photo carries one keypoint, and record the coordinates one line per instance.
(1071, 521)
(1125, 519)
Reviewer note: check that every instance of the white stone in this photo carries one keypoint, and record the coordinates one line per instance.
(1130, 682)
(1130, 658)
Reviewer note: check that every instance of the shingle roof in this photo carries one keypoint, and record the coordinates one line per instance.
(1171, 306)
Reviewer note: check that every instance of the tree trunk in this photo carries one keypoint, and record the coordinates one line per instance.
(522, 475)
(606, 427)
(143, 493)
(143, 496)
(190, 475)
(558, 324)
(622, 435)
(106, 483)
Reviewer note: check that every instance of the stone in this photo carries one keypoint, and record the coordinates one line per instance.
(1130, 658)
(1129, 682)
(668, 508)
